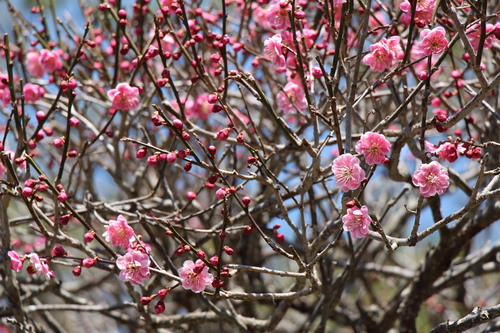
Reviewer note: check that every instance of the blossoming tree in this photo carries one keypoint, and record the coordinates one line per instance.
(283, 165)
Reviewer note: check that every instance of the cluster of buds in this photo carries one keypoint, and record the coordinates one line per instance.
(68, 85)
(181, 249)
(160, 305)
(34, 186)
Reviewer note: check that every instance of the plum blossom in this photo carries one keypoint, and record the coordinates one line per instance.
(16, 262)
(373, 147)
(347, 171)
(118, 232)
(383, 54)
(134, 267)
(32, 92)
(277, 14)
(4, 89)
(474, 36)
(124, 97)
(432, 41)
(195, 276)
(423, 12)
(40, 267)
(33, 64)
(273, 50)
(292, 96)
(431, 178)
(51, 60)
(357, 221)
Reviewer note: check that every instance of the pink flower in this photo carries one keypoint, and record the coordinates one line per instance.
(124, 97)
(16, 263)
(373, 147)
(380, 57)
(51, 60)
(474, 36)
(273, 50)
(221, 193)
(5, 95)
(195, 276)
(292, 96)
(433, 41)
(33, 64)
(423, 12)
(431, 178)
(40, 267)
(32, 92)
(357, 221)
(134, 267)
(118, 232)
(347, 171)
(277, 15)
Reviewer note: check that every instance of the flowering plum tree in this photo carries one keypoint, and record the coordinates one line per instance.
(261, 166)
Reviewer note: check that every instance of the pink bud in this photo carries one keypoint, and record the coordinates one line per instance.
(240, 138)
(212, 99)
(141, 152)
(214, 260)
(88, 262)
(162, 293)
(186, 136)
(251, 160)
(228, 250)
(145, 300)
(62, 197)
(27, 192)
(160, 307)
(171, 157)
(317, 73)
(152, 160)
(299, 14)
(279, 237)
(77, 271)
(456, 74)
(63, 220)
(221, 193)
(178, 124)
(201, 255)
(73, 121)
(40, 115)
(246, 201)
(188, 167)
(191, 196)
(423, 75)
(212, 150)
(58, 251)
(88, 237)
(223, 134)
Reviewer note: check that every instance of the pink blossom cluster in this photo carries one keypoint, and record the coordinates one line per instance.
(124, 97)
(432, 41)
(195, 276)
(118, 232)
(431, 178)
(423, 12)
(357, 221)
(348, 172)
(474, 35)
(36, 266)
(134, 267)
(373, 147)
(33, 92)
(47, 61)
(383, 54)
(292, 97)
